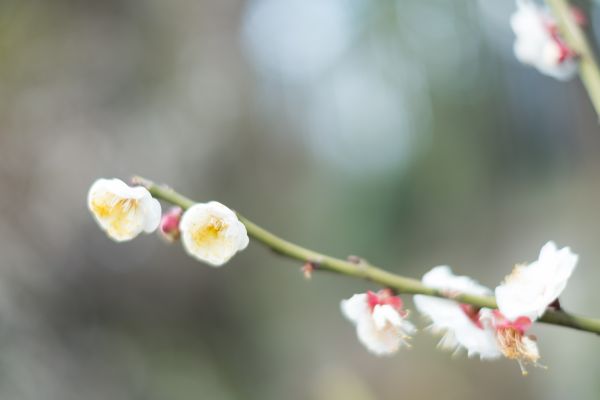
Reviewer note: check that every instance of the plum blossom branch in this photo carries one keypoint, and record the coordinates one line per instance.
(577, 41)
(366, 271)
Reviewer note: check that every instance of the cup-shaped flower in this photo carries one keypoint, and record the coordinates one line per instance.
(529, 289)
(381, 324)
(459, 323)
(538, 42)
(212, 233)
(122, 211)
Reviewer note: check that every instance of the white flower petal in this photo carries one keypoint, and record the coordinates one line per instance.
(444, 314)
(448, 317)
(481, 342)
(441, 277)
(153, 213)
(385, 314)
(355, 307)
(212, 233)
(531, 347)
(516, 300)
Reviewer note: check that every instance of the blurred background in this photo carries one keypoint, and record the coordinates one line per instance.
(401, 131)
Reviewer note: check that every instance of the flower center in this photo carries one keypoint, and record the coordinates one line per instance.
(116, 210)
(521, 324)
(209, 233)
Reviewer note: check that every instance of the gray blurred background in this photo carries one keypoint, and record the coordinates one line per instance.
(401, 131)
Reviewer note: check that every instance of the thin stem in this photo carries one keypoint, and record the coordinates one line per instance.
(577, 41)
(364, 270)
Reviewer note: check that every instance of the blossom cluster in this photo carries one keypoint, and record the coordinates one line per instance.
(382, 325)
(539, 43)
(209, 232)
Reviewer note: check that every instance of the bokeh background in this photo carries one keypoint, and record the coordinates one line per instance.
(403, 131)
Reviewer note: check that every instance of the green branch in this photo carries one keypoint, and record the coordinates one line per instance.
(363, 270)
(577, 41)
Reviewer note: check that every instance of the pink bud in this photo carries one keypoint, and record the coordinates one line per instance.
(169, 224)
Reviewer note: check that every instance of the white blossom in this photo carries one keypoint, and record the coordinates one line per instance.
(212, 233)
(459, 323)
(529, 290)
(381, 325)
(524, 296)
(123, 211)
(538, 42)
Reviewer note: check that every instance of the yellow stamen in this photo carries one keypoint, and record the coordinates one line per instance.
(116, 211)
(514, 273)
(208, 233)
(515, 346)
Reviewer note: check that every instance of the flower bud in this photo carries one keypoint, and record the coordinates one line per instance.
(169, 224)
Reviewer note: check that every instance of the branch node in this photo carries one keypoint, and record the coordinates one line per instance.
(555, 305)
(308, 268)
(352, 259)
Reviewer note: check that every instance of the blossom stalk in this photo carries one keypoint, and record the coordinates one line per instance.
(366, 271)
